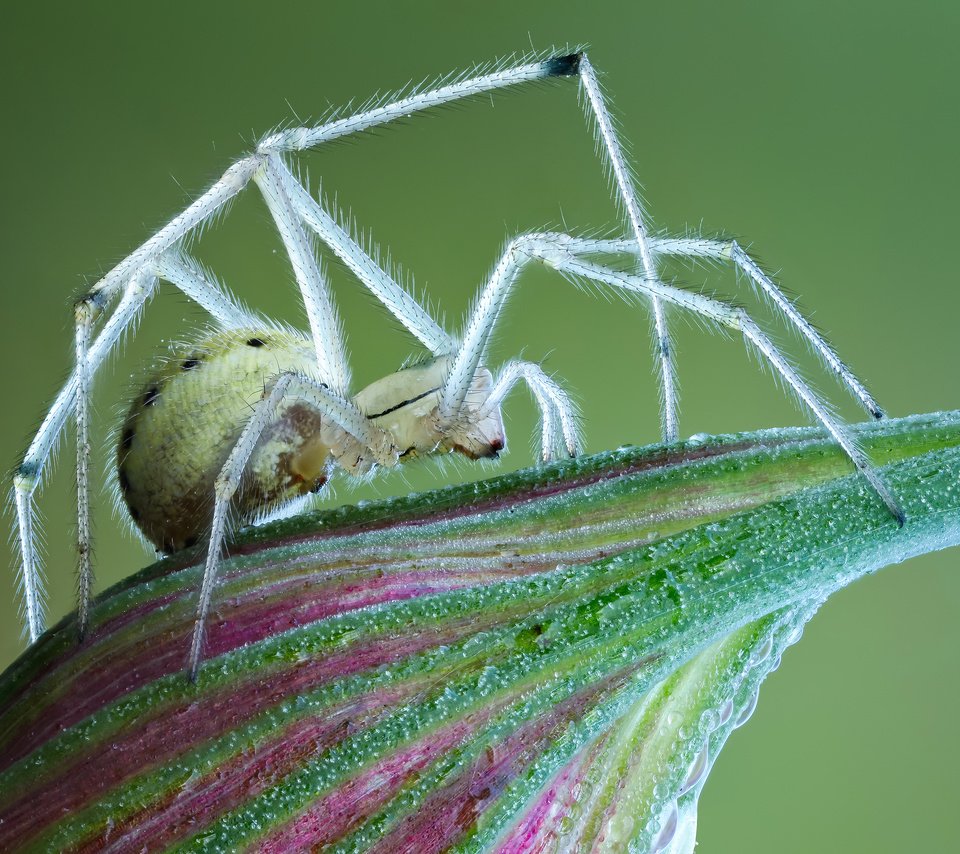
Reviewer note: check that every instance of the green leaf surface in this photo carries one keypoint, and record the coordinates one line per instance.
(545, 661)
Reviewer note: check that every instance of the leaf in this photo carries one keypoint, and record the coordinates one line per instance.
(545, 661)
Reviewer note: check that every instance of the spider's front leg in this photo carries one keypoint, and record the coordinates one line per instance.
(559, 432)
(730, 251)
(739, 320)
(576, 66)
(321, 313)
(561, 252)
(630, 200)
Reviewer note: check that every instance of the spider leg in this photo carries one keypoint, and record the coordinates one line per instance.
(556, 409)
(648, 267)
(298, 139)
(373, 442)
(479, 327)
(395, 298)
(189, 277)
(196, 214)
(301, 138)
(731, 251)
(27, 476)
(84, 323)
(237, 176)
(321, 313)
(131, 280)
(736, 319)
(555, 250)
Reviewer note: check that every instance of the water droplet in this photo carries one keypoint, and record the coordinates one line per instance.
(665, 836)
(709, 720)
(697, 770)
(762, 652)
(747, 710)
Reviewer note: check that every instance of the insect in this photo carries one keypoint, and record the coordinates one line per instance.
(255, 415)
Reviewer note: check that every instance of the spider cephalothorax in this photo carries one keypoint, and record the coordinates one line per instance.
(254, 415)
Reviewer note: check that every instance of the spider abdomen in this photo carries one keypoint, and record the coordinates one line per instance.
(183, 425)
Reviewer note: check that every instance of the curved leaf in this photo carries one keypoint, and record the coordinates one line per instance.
(545, 661)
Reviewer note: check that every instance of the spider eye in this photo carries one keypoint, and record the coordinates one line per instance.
(256, 342)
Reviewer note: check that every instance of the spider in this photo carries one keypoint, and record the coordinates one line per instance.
(256, 415)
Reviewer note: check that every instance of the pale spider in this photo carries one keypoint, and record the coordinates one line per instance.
(256, 415)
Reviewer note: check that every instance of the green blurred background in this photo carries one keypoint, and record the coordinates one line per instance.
(824, 133)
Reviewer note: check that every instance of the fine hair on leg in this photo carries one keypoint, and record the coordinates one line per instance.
(309, 392)
(559, 431)
(731, 251)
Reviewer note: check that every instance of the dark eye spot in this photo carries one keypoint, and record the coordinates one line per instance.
(256, 342)
(189, 364)
(150, 395)
(127, 439)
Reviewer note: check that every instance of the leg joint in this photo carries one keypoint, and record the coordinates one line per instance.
(564, 66)
(543, 246)
(26, 476)
(89, 306)
(225, 486)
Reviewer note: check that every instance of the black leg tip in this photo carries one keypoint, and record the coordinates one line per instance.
(563, 66)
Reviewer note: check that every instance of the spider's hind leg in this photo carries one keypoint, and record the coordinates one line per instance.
(29, 473)
(84, 313)
(192, 280)
(360, 446)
